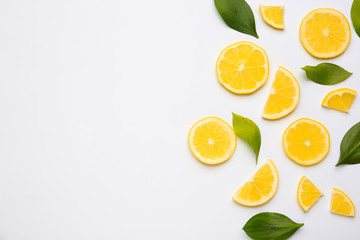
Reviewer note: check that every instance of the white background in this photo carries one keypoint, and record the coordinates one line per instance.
(97, 98)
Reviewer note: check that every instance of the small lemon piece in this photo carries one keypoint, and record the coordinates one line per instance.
(212, 140)
(340, 99)
(306, 141)
(260, 188)
(341, 204)
(284, 95)
(307, 193)
(273, 15)
(243, 67)
(325, 33)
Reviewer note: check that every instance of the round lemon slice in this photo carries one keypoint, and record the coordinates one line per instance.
(325, 33)
(340, 99)
(260, 188)
(243, 67)
(212, 140)
(306, 141)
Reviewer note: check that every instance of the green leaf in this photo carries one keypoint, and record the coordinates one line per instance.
(350, 146)
(326, 73)
(249, 131)
(238, 15)
(355, 16)
(270, 226)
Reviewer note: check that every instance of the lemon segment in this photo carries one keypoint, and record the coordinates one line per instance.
(306, 141)
(307, 193)
(284, 95)
(260, 188)
(325, 33)
(243, 67)
(273, 15)
(212, 140)
(341, 204)
(340, 99)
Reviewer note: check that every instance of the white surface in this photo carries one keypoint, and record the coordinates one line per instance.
(96, 101)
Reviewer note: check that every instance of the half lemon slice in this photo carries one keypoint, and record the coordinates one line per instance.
(284, 95)
(260, 188)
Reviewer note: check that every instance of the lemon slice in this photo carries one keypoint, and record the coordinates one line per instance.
(325, 33)
(212, 140)
(273, 15)
(307, 194)
(341, 204)
(340, 99)
(260, 188)
(242, 67)
(306, 141)
(284, 95)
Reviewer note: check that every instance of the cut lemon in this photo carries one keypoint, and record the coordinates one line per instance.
(306, 141)
(284, 95)
(242, 67)
(212, 140)
(307, 194)
(325, 33)
(341, 204)
(273, 15)
(340, 99)
(260, 188)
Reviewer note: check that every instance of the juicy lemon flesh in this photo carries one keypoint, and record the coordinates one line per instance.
(260, 188)
(212, 140)
(325, 33)
(284, 95)
(273, 15)
(341, 204)
(242, 67)
(340, 99)
(306, 142)
(308, 194)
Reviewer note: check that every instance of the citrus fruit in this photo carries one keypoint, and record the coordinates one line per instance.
(212, 140)
(340, 99)
(325, 33)
(341, 204)
(260, 188)
(242, 67)
(306, 141)
(284, 95)
(273, 15)
(307, 193)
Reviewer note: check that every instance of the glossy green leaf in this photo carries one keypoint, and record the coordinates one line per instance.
(249, 131)
(355, 16)
(270, 226)
(238, 15)
(350, 146)
(326, 73)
